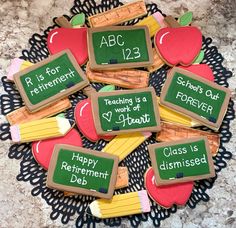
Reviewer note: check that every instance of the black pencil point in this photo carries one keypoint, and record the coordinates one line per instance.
(72, 122)
(88, 211)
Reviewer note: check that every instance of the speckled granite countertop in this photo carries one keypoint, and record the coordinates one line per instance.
(21, 18)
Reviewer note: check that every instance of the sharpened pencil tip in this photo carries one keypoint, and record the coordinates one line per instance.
(72, 122)
(88, 211)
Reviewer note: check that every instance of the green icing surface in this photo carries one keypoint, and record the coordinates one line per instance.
(195, 96)
(50, 79)
(126, 111)
(124, 46)
(188, 159)
(79, 169)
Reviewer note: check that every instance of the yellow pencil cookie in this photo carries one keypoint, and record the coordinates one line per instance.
(123, 145)
(41, 129)
(170, 115)
(154, 22)
(120, 205)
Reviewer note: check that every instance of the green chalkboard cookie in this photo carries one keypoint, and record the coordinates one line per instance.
(49, 80)
(181, 161)
(117, 47)
(123, 111)
(196, 97)
(82, 171)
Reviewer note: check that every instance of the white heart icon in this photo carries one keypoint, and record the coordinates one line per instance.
(107, 116)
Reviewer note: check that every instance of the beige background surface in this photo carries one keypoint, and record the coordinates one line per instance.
(21, 18)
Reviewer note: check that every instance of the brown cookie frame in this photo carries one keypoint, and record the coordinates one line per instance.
(79, 190)
(33, 108)
(96, 116)
(159, 181)
(204, 121)
(92, 60)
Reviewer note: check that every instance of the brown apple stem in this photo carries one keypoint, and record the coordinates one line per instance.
(172, 22)
(89, 90)
(63, 22)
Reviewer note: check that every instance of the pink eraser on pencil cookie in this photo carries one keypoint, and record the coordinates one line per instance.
(15, 133)
(144, 201)
(160, 19)
(14, 68)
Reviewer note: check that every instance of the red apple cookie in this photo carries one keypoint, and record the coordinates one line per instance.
(202, 70)
(42, 150)
(178, 45)
(168, 195)
(84, 121)
(68, 38)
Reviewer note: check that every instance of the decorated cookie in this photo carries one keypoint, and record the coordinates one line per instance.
(35, 130)
(126, 78)
(85, 122)
(178, 45)
(68, 38)
(119, 47)
(125, 111)
(202, 70)
(120, 205)
(82, 171)
(42, 150)
(119, 14)
(123, 145)
(181, 161)
(50, 80)
(195, 96)
(167, 196)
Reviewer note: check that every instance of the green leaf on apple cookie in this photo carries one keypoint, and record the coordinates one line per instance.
(200, 57)
(107, 88)
(186, 19)
(78, 20)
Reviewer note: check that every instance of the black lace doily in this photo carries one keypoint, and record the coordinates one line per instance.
(137, 162)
